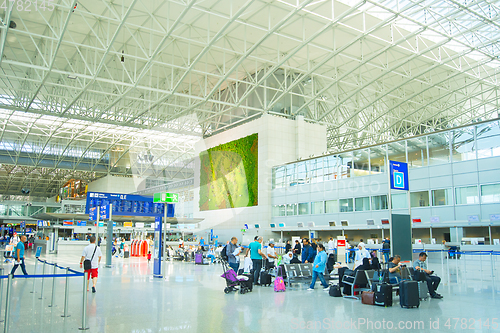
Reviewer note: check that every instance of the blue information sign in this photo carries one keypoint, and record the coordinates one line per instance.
(93, 214)
(38, 251)
(399, 175)
(23, 224)
(104, 212)
(157, 249)
(40, 223)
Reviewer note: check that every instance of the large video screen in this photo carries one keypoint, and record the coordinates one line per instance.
(229, 175)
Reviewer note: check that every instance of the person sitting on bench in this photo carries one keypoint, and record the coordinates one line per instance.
(395, 269)
(420, 267)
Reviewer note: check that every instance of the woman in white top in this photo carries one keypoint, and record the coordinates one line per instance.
(360, 255)
(287, 258)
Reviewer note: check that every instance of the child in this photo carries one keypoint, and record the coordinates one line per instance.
(149, 256)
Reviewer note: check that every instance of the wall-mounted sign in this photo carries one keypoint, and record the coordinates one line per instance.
(127, 224)
(139, 225)
(473, 218)
(416, 220)
(434, 219)
(399, 175)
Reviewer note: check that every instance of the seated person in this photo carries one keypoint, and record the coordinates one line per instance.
(287, 258)
(395, 269)
(199, 250)
(375, 264)
(211, 254)
(361, 254)
(432, 280)
(271, 255)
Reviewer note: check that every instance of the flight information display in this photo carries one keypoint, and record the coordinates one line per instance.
(128, 204)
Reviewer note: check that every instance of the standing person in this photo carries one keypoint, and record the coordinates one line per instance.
(19, 256)
(386, 249)
(331, 246)
(319, 268)
(297, 249)
(257, 256)
(271, 255)
(181, 243)
(149, 257)
(122, 246)
(307, 252)
(234, 262)
(93, 253)
(314, 245)
(288, 246)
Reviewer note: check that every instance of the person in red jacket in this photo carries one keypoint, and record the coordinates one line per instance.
(149, 256)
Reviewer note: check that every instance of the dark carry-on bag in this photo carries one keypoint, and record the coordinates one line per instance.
(248, 283)
(87, 264)
(368, 297)
(265, 278)
(335, 291)
(408, 294)
(383, 294)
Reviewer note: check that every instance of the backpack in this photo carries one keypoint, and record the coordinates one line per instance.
(223, 253)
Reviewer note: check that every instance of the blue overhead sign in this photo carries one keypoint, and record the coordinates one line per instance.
(93, 214)
(104, 212)
(399, 175)
(128, 204)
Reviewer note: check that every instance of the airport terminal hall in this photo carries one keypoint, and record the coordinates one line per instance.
(236, 166)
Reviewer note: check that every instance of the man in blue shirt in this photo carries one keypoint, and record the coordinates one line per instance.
(319, 268)
(308, 253)
(19, 256)
(257, 256)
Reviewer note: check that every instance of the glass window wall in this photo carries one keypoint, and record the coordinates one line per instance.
(399, 201)
(282, 210)
(344, 165)
(303, 173)
(346, 205)
(417, 152)
(488, 140)
(377, 159)
(362, 204)
(419, 199)
(318, 207)
(397, 151)
(276, 211)
(439, 148)
(490, 193)
(291, 174)
(317, 170)
(291, 209)
(441, 197)
(466, 195)
(360, 165)
(462, 144)
(331, 206)
(330, 164)
(304, 208)
(379, 202)
(279, 177)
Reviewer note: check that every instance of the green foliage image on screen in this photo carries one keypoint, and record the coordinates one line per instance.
(228, 175)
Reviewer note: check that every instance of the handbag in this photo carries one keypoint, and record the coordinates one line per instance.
(420, 276)
(87, 264)
(368, 297)
(279, 283)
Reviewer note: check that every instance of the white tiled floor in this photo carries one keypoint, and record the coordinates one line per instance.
(191, 299)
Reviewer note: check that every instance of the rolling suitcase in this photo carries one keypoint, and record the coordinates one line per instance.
(383, 294)
(198, 259)
(408, 294)
(265, 278)
(423, 291)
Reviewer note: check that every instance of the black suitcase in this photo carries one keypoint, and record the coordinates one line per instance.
(265, 278)
(240, 271)
(383, 294)
(249, 282)
(335, 291)
(408, 294)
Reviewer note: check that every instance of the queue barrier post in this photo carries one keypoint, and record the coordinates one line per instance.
(66, 293)
(84, 305)
(7, 305)
(43, 273)
(1, 291)
(34, 273)
(53, 287)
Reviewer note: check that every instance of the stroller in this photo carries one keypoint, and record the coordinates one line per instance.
(234, 282)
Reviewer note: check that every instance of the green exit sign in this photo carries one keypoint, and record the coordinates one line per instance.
(166, 197)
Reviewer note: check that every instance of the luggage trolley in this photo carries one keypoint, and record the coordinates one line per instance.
(234, 282)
